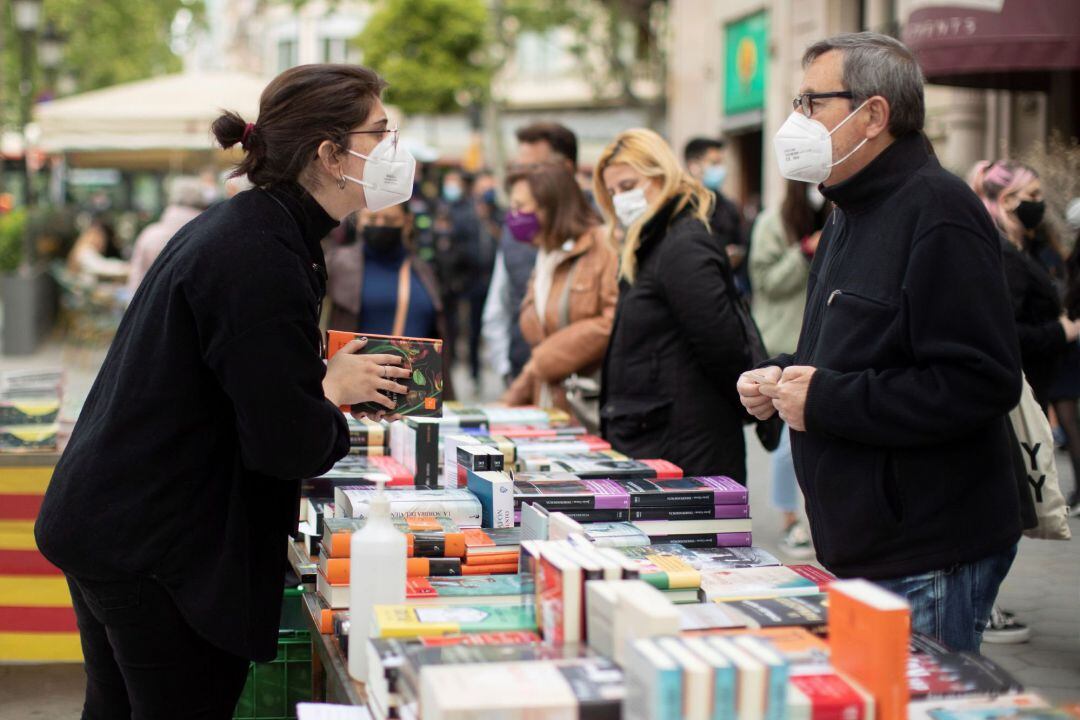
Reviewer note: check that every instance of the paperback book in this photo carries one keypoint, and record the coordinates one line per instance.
(423, 356)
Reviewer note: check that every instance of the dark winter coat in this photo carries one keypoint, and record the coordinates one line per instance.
(184, 465)
(676, 352)
(907, 462)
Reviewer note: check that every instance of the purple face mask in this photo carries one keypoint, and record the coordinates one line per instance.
(523, 226)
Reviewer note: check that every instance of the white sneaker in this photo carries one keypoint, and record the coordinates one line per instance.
(1004, 629)
(796, 542)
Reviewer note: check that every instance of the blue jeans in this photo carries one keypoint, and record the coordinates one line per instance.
(953, 605)
(785, 488)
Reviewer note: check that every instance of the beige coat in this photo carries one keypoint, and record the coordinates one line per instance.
(561, 349)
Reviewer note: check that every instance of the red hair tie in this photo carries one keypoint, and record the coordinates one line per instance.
(247, 133)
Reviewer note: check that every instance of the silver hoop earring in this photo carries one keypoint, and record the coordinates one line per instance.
(341, 182)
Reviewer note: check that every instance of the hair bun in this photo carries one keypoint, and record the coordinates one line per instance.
(229, 129)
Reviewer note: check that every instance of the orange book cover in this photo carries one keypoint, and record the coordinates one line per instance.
(501, 569)
(494, 559)
(869, 633)
(423, 356)
(336, 570)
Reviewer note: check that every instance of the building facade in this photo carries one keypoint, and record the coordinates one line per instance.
(735, 66)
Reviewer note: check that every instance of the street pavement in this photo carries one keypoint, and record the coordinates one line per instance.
(1043, 587)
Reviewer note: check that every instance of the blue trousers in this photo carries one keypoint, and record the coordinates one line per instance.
(953, 605)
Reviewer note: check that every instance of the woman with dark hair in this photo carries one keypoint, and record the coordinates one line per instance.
(782, 246)
(170, 508)
(570, 302)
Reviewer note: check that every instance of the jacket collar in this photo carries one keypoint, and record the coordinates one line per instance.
(311, 220)
(882, 177)
(656, 227)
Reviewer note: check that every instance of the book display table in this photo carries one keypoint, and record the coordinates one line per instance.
(37, 622)
(330, 681)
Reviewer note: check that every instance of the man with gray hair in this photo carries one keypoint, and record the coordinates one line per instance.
(186, 201)
(908, 363)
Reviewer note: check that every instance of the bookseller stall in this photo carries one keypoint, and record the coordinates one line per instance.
(547, 576)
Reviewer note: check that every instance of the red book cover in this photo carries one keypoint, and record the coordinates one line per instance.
(823, 578)
(419, 587)
(831, 697)
(664, 470)
(399, 475)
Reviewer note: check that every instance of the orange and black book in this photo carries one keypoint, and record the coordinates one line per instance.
(429, 567)
(426, 536)
(422, 356)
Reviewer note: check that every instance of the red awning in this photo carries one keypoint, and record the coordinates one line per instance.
(1007, 44)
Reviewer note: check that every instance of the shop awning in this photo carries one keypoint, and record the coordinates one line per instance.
(1005, 44)
(165, 114)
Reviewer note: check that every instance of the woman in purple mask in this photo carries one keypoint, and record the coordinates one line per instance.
(568, 312)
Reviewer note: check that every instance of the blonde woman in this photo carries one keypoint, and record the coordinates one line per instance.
(677, 347)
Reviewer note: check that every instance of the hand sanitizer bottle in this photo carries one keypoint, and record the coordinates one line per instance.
(376, 576)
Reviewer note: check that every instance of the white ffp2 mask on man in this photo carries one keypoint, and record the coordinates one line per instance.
(388, 174)
(804, 147)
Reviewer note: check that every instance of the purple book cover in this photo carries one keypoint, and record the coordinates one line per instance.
(699, 492)
(691, 512)
(738, 539)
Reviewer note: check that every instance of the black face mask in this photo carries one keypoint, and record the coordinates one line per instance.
(383, 240)
(1030, 213)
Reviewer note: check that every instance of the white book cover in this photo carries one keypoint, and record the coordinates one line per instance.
(772, 581)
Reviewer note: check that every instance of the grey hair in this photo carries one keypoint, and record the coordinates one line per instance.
(875, 64)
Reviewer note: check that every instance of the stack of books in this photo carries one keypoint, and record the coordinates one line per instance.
(368, 437)
(696, 512)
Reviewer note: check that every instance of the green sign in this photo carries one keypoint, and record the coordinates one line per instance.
(746, 57)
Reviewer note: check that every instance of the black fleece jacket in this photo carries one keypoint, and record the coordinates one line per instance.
(184, 465)
(907, 463)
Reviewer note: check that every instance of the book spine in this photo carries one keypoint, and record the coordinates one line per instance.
(705, 512)
(427, 455)
(433, 567)
(738, 539)
(588, 516)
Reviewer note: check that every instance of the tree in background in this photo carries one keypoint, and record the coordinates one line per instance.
(108, 42)
(432, 52)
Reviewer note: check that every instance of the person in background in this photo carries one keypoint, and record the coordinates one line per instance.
(212, 405)
(570, 304)
(185, 203)
(677, 345)
(782, 247)
(1066, 391)
(704, 158)
(506, 349)
(907, 365)
(466, 266)
(377, 285)
(90, 258)
(1012, 194)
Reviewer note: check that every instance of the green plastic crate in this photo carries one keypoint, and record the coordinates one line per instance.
(273, 689)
